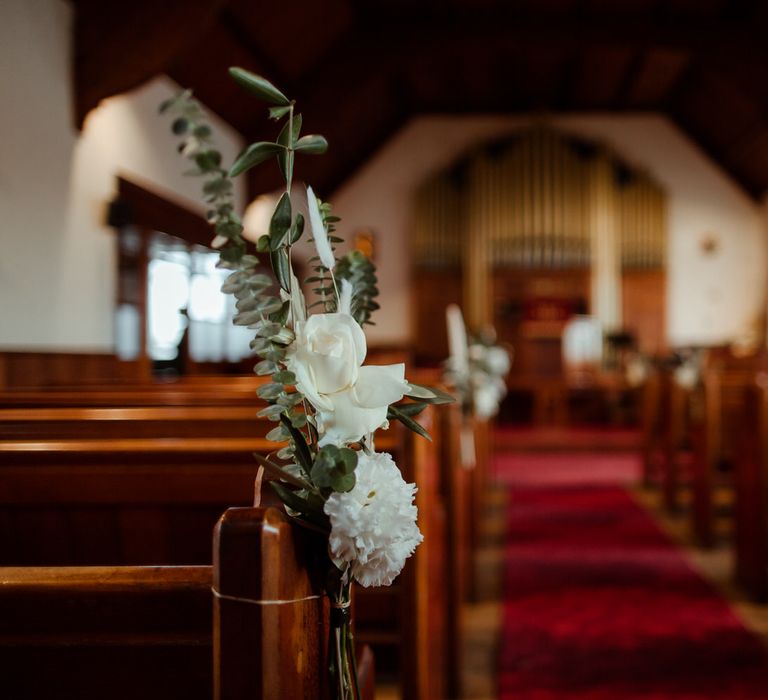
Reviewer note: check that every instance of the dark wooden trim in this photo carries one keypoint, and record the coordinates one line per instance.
(146, 209)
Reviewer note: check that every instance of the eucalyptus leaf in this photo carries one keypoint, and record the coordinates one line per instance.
(284, 377)
(347, 462)
(271, 412)
(269, 391)
(277, 434)
(265, 367)
(342, 483)
(259, 86)
(180, 126)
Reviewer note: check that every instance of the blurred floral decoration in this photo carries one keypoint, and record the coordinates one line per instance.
(325, 402)
(476, 370)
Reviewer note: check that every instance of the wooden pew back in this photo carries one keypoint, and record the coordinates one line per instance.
(106, 632)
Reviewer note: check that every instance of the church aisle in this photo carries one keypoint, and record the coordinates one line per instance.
(600, 604)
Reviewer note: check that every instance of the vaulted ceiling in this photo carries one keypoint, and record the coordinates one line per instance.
(359, 69)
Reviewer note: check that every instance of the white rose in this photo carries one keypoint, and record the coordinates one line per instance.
(326, 356)
(351, 400)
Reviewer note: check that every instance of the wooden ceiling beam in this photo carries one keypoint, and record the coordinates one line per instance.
(120, 45)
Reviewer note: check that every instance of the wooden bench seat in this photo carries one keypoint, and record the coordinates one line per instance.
(149, 422)
(253, 626)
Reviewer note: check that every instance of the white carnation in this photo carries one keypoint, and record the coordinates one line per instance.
(373, 526)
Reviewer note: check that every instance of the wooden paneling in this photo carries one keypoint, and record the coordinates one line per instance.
(644, 305)
(51, 368)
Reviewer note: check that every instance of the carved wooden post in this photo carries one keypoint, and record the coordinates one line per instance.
(270, 615)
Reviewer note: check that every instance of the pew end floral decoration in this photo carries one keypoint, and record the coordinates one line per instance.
(477, 367)
(326, 403)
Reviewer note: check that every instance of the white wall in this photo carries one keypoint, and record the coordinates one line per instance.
(710, 298)
(57, 268)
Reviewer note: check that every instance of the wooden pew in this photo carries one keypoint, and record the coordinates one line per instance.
(406, 623)
(715, 434)
(458, 496)
(153, 500)
(61, 423)
(751, 507)
(116, 632)
(253, 626)
(120, 502)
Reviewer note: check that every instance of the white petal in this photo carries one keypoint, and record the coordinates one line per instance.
(457, 339)
(298, 306)
(322, 244)
(345, 297)
(348, 421)
(380, 385)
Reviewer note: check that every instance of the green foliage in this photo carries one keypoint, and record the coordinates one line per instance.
(302, 474)
(361, 273)
(334, 468)
(397, 413)
(253, 155)
(259, 86)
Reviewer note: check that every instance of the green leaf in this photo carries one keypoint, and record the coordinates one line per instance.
(253, 155)
(278, 112)
(347, 462)
(271, 412)
(301, 450)
(312, 144)
(208, 160)
(281, 314)
(283, 139)
(280, 222)
(292, 499)
(285, 159)
(297, 229)
(342, 483)
(277, 434)
(412, 409)
(429, 394)
(299, 420)
(281, 267)
(180, 126)
(262, 245)
(394, 413)
(269, 391)
(275, 470)
(284, 377)
(259, 86)
(265, 367)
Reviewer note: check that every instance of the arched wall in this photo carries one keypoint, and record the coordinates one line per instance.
(711, 298)
(57, 268)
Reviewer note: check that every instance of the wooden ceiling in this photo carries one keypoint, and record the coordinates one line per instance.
(359, 69)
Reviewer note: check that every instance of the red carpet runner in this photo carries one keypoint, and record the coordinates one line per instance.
(601, 605)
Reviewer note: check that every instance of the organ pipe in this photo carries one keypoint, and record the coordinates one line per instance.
(529, 201)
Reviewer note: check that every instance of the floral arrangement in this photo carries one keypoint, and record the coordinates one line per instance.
(477, 367)
(326, 403)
